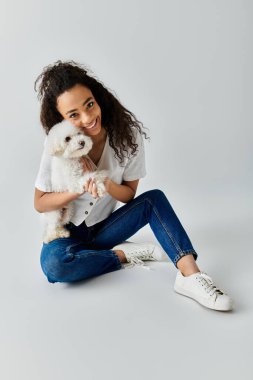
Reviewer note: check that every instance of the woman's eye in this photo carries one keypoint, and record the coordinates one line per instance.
(67, 138)
(91, 103)
(73, 114)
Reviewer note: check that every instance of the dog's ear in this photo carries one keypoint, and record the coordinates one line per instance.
(56, 151)
(54, 147)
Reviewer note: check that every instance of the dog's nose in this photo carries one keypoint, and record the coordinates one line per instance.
(82, 142)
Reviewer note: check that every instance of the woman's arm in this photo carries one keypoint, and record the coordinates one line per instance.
(49, 201)
(124, 192)
(44, 202)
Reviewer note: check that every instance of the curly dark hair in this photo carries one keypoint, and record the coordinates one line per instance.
(116, 119)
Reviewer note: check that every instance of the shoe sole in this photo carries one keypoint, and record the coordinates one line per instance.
(182, 291)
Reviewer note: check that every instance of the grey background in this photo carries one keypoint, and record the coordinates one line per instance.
(185, 69)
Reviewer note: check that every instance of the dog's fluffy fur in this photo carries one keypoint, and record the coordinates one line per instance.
(67, 144)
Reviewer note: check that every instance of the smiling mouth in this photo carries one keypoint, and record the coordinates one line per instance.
(93, 125)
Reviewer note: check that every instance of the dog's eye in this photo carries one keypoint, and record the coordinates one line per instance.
(67, 138)
(79, 133)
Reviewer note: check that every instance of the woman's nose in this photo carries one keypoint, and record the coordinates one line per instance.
(86, 121)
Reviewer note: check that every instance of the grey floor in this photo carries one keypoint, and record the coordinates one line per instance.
(129, 324)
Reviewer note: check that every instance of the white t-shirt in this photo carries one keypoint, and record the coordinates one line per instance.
(88, 208)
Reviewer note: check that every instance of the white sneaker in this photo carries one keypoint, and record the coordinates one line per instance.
(201, 288)
(136, 252)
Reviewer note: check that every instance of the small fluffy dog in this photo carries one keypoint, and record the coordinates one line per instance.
(67, 144)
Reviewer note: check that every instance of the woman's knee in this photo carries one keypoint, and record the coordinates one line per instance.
(53, 265)
(154, 194)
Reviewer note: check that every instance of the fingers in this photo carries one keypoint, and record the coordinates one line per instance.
(92, 167)
(94, 190)
(91, 187)
(84, 165)
(87, 166)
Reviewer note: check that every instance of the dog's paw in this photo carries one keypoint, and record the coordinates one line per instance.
(101, 174)
(59, 232)
(101, 190)
(62, 232)
(99, 178)
(83, 181)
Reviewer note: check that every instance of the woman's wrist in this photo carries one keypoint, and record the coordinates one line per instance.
(108, 184)
(121, 193)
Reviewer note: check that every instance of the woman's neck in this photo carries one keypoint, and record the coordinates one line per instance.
(99, 138)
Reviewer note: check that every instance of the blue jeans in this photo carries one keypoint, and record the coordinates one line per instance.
(88, 250)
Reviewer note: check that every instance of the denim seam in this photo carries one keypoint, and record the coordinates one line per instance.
(168, 232)
(102, 229)
(93, 254)
(181, 253)
(119, 265)
(78, 255)
(51, 274)
(185, 253)
(68, 248)
(118, 262)
(157, 214)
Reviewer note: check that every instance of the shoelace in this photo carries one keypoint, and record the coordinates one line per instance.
(137, 261)
(208, 284)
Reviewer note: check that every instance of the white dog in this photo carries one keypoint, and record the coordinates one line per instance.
(67, 144)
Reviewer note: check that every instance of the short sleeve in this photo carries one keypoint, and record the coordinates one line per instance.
(43, 179)
(136, 166)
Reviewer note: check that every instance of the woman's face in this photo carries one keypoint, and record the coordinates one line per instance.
(79, 106)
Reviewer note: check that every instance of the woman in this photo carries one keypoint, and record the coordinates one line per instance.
(97, 230)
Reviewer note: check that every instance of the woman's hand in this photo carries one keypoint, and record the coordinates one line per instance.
(91, 187)
(87, 164)
(107, 183)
